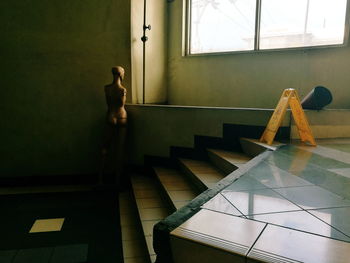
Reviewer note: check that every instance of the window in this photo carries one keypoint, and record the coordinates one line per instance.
(243, 25)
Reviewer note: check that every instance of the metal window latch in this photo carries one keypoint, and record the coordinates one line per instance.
(144, 38)
(146, 27)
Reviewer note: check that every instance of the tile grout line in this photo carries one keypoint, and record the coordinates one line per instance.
(288, 199)
(273, 189)
(210, 209)
(307, 211)
(300, 230)
(266, 224)
(232, 204)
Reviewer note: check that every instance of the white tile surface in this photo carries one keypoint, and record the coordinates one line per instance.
(278, 243)
(220, 230)
(220, 204)
(153, 213)
(47, 225)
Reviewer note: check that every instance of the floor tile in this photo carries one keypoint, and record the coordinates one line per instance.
(181, 195)
(232, 157)
(164, 171)
(143, 183)
(209, 177)
(301, 220)
(145, 186)
(244, 183)
(209, 225)
(148, 227)
(153, 213)
(47, 225)
(239, 165)
(45, 189)
(194, 163)
(283, 162)
(220, 204)
(134, 248)
(149, 241)
(320, 156)
(140, 179)
(177, 185)
(70, 254)
(137, 260)
(6, 256)
(204, 170)
(336, 217)
(340, 157)
(278, 244)
(274, 177)
(340, 147)
(153, 258)
(126, 202)
(126, 207)
(128, 219)
(131, 233)
(326, 141)
(174, 177)
(341, 171)
(145, 193)
(37, 255)
(328, 180)
(209, 185)
(180, 204)
(312, 197)
(149, 202)
(90, 218)
(252, 202)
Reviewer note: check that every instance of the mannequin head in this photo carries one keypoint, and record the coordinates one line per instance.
(118, 71)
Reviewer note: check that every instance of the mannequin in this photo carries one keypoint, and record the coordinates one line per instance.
(116, 125)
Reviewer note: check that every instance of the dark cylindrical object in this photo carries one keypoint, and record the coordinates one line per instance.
(318, 98)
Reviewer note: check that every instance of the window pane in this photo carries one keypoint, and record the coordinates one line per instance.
(298, 23)
(222, 25)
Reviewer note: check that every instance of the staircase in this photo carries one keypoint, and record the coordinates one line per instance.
(169, 188)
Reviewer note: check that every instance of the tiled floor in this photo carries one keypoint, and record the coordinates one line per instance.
(132, 236)
(60, 228)
(302, 194)
(151, 208)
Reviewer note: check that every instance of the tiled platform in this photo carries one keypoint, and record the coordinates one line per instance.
(296, 201)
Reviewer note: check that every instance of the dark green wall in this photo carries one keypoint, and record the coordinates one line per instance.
(56, 57)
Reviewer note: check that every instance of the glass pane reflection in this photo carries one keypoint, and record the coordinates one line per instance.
(299, 23)
(222, 25)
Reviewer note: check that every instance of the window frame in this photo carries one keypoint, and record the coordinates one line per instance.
(186, 35)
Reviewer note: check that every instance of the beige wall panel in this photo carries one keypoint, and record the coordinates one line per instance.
(251, 79)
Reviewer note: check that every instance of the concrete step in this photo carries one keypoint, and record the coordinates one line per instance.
(202, 174)
(157, 197)
(177, 188)
(227, 161)
(253, 147)
(151, 207)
